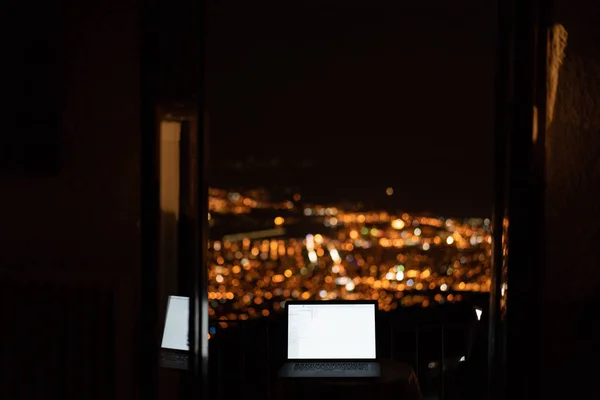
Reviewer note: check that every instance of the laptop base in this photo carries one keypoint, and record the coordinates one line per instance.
(173, 359)
(330, 370)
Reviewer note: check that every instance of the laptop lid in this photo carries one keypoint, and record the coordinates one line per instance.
(331, 330)
(175, 334)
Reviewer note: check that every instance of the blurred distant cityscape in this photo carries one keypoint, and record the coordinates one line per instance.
(263, 252)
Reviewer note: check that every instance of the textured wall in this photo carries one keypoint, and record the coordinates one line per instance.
(86, 216)
(573, 164)
(572, 287)
(83, 219)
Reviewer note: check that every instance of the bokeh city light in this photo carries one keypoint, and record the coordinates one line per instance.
(398, 259)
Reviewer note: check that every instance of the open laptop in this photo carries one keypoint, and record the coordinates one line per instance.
(175, 344)
(331, 339)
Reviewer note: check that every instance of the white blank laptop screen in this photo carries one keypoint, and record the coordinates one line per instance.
(331, 331)
(175, 335)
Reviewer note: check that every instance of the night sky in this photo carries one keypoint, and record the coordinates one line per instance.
(371, 94)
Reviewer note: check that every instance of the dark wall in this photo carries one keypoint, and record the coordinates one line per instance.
(86, 214)
(571, 292)
(33, 63)
(72, 228)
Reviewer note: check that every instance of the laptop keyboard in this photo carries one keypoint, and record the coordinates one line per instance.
(343, 366)
(170, 356)
(170, 359)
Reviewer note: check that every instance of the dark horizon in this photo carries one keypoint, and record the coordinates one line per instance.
(372, 197)
(371, 95)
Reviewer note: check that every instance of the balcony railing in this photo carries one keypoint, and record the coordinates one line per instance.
(444, 348)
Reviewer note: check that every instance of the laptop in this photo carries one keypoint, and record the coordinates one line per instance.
(175, 344)
(331, 339)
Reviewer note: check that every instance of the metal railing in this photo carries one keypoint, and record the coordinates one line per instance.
(246, 355)
(59, 335)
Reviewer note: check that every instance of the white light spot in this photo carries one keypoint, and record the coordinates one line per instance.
(335, 256)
